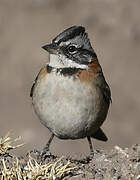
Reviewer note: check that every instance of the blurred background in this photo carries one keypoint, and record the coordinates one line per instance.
(114, 30)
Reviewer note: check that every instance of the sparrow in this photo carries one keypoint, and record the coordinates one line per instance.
(70, 94)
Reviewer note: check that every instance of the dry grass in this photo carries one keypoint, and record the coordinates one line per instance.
(7, 144)
(32, 169)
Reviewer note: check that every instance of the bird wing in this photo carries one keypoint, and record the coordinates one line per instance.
(42, 73)
(104, 87)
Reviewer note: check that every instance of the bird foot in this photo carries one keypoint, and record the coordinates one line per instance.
(42, 155)
(85, 160)
(45, 153)
(81, 161)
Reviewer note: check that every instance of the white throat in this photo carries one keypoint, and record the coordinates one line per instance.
(60, 61)
(55, 61)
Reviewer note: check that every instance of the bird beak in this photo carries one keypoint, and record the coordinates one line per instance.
(51, 48)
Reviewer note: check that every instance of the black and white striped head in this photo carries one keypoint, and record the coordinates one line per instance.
(71, 48)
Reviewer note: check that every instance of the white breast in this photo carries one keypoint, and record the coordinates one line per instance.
(65, 105)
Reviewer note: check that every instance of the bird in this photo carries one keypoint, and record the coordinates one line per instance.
(70, 95)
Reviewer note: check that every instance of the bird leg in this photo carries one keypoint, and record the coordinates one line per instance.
(46, 152)
(88, 158)
(46, 148)
(91, 148)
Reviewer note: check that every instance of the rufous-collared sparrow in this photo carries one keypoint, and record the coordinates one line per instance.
(70, 94)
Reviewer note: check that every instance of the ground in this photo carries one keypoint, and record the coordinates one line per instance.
(115, 164)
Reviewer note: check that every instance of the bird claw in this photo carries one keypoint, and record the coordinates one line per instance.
(81, 161)
(92, 153)
(45, 153)
(34, 151)
(85, 160)
(42, 155)
(91, 156)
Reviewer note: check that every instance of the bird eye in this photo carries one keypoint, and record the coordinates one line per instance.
(72, 49)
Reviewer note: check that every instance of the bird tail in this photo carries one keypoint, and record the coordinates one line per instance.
(100, 135)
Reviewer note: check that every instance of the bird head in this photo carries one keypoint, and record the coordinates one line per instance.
(71, 48)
